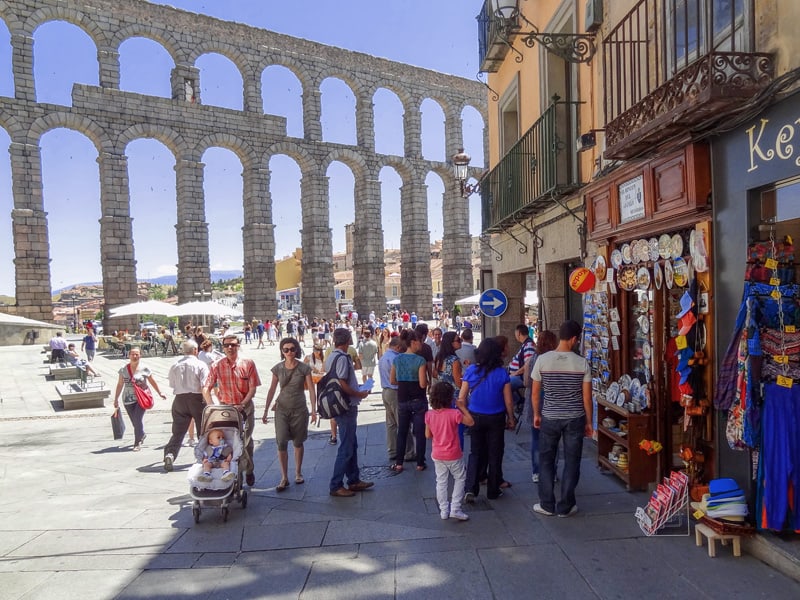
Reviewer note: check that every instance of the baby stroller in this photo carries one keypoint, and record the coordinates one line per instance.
(218, 492)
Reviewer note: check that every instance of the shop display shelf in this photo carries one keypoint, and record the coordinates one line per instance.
(613, 407)
(604, 462)
(623, 440)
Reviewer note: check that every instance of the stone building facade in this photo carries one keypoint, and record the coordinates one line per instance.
(112, 118)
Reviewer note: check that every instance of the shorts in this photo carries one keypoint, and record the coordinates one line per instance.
(368, 371)
(291, 426)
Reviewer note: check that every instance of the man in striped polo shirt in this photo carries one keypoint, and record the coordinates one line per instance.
(563, 411)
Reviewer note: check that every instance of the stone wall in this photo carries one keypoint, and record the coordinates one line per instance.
(111, 119)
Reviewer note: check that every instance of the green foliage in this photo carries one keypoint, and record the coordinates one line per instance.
(236, 284)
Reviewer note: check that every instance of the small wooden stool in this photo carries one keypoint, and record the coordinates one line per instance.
(702, 529)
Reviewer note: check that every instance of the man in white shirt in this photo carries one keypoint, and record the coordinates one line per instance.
(186, 378)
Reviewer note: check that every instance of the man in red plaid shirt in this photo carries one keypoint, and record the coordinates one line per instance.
(236, 380)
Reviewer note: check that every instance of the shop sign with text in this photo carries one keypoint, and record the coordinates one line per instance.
(631, 200)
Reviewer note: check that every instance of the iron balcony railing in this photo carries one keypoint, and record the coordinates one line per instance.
(539, 168)
(492, 44)
(672, 65)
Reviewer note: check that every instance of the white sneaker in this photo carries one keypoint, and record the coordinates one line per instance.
(204, 478)
(535, 478)
(227, 476)
(538, 508)
(459, 515)
(571, 512)
(444, 512)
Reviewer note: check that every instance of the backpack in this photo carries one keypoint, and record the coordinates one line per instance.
(331, 399)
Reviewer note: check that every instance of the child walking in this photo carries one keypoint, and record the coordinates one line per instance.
(441, 426)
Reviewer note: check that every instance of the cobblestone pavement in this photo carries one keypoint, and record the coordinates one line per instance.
(81, 516)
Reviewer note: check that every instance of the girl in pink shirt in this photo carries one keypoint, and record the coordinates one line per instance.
(441, 426)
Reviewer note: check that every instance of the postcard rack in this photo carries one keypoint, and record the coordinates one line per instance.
(668, 501)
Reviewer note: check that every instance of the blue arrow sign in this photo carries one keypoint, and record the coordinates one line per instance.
(493, 302)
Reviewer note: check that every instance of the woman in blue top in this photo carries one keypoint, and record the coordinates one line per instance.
(486, 388)
(410, 374)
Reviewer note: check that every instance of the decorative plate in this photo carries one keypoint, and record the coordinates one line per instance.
(616, 258)
(626, 277)
(697, 250)
(642, 251)
(627, 254)
(635, 257)
(680, 272)
(668, 274)
(676, 246)
(625, 382)
(647, 350)
(644, 324)
(636, 389)
(658, 276)
(643, 278)
(621, 398)
(600, 267)
(652, 249)
(665, 246)
(612, 393)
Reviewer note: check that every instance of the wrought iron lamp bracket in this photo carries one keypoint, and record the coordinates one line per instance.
(572, 47)
(523, 247)
(498, 255)
(495, 95)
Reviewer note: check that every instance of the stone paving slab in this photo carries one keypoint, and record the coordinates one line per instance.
(99, 521)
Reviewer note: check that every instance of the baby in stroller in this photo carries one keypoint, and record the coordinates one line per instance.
(217, 454)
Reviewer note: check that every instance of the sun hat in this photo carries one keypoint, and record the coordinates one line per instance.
(686, 304)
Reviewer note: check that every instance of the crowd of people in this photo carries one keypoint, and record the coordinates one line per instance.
(436, 384)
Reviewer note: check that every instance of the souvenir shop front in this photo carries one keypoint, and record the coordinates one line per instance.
(757, 219)
(648, 317)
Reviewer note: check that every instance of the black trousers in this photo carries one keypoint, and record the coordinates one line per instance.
(487, 444)
(185, 407)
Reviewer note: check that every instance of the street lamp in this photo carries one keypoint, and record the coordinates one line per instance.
(572, 47)
(202, 294)
(461, 172)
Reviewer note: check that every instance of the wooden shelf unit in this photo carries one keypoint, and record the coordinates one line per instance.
(641, 466)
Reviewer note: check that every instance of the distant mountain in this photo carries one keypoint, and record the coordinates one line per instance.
(215, 276)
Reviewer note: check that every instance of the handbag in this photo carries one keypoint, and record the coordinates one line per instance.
(117, 424)
(143, 395)
(332, 402)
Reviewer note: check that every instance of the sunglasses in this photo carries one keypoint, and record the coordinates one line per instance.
(289, 349)
(231, 345)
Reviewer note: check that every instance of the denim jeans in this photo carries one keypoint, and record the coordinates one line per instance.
(408, 413)
(346, 464)
(487, 443)
(550, 432)
(534, 450)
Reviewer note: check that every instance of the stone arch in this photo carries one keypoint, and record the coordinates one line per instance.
(70, 15)
(354, 161)
(11, 18)
(400, 164)
(296, 152)
(349, 78)
(169, 137)
(16, 130)
(276, 60)
(84, 125)
(163, 37)
(230, 52)
(238, 146)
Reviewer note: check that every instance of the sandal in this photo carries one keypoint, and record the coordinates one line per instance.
(421, 467)
(396, 468)
(282, 485)
(505, 484)
(299, 479)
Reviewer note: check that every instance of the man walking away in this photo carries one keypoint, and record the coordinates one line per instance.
(389, 396)
(562, 409)
(346, 464)
(186, 378)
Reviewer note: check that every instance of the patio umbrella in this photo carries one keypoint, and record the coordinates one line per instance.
(149, 307)
(469, 299)
(209, 307)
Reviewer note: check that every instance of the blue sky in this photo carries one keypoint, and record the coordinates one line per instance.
(435, 34)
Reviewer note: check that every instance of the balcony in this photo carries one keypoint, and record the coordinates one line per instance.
(492, 42)
(676, 67)
(538, 170)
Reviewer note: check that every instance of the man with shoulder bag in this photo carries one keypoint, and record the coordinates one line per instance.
(346, 464)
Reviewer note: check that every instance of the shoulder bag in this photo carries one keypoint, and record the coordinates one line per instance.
(331, 399)
(143, 394)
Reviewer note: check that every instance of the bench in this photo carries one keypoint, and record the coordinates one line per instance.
(82, 393)
(701, 530)
(62, 371)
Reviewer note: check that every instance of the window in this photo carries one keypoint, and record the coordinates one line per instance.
(509, 118)
(689, 21)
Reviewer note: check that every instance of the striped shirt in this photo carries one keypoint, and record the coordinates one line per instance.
(562, 375)
(234, 379)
